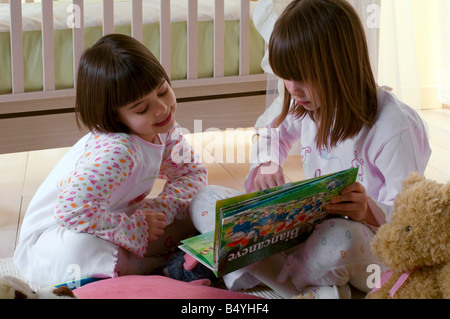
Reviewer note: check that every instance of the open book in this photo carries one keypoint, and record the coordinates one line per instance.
(253, 226)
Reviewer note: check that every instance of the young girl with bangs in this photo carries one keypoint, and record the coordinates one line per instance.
(91, 217)
(333, 105)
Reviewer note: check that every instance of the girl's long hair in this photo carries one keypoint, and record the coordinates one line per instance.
(322, 43)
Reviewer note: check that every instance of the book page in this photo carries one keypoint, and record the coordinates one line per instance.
(201, 247)
(270, 224)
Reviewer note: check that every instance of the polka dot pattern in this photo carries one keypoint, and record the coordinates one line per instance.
(118, 166)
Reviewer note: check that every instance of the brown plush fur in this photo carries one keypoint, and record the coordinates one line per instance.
(417, 236)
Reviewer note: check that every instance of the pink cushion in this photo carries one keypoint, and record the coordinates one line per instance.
(154, 287)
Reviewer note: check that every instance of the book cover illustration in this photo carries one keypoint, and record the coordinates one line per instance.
(256, 225)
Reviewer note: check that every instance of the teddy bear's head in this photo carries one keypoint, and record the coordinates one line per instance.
(418, 234)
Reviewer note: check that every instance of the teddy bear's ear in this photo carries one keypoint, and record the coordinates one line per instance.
(412, 179)
(446, 193)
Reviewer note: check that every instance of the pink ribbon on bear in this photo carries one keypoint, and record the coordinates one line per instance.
(388, 274)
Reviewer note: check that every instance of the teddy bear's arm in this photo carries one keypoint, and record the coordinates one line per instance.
(444, 280)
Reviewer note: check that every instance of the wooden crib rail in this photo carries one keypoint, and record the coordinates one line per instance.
(50, 101)
(137, 25)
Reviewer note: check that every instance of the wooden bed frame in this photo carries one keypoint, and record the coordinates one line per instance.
(45, 119)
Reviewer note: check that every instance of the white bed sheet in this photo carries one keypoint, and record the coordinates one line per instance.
(93, 13)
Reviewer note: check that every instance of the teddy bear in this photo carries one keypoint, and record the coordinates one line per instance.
(15, 288)
(415, 245)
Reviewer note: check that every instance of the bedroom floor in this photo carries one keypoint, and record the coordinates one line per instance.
(224, 153)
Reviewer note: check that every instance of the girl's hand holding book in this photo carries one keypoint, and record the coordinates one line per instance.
(268, 175)
(352, 202)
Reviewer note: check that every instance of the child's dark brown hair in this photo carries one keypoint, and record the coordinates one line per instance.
(322, 43)
(114, 72)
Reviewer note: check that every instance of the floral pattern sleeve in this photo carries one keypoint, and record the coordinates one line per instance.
(185, 175)
(84, 197)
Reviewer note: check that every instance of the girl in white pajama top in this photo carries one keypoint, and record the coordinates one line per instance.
(91, 217)
(333, 106)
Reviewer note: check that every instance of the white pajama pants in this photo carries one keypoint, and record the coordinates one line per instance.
(337, 252)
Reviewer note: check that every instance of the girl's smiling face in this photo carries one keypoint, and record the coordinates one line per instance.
(153, 114)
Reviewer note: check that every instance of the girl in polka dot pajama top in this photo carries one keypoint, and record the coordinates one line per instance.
(93, 216)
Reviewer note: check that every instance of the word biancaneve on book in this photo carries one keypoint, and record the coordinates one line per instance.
(253, 226)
